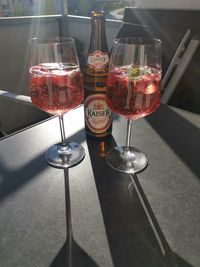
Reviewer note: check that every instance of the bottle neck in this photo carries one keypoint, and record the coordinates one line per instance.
(98, 39)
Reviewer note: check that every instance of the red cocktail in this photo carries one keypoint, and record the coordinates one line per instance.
(56, 89)
(133, 92)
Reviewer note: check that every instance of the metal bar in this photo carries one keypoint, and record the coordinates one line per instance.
(16, 98)
(180, 70)
(175, 58)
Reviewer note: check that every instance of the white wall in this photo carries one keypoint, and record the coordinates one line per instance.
(174, 4)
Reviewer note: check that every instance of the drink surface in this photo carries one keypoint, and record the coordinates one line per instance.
(133, 92)
(56, 88)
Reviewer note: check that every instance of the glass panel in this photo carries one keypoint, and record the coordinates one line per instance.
(14, 8)
(114, 9)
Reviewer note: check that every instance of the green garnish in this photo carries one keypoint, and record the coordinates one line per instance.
(135, 73)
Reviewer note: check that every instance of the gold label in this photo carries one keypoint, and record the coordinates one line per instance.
(97, 114)
(98, 60)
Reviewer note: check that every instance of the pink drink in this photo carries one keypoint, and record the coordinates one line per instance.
(56, 88)
(133, 92)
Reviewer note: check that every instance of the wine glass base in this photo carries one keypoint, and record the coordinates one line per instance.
(67, 159)
(127, 160)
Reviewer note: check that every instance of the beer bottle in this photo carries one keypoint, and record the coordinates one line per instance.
(98, 116)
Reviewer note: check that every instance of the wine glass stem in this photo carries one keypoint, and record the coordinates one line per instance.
(62, 130)
(128, 132)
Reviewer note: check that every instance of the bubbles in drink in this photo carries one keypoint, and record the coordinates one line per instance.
(56, 88)
(133, 92)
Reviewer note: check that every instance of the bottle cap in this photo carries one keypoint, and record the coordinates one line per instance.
(97, 13)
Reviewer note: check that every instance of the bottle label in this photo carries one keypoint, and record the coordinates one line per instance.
(98, 60)
(97, 114)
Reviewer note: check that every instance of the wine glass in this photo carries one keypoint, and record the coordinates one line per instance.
(133, 91)
(56, 87)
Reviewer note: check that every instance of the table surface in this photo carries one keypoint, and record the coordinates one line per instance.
(114, 220)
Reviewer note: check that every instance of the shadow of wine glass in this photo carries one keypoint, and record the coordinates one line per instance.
(171, 259)
(71, 254)
(134, 235)
(165, 250)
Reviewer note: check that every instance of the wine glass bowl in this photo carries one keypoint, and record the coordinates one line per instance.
(56, 87)
(131, 94)
(133, 91)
